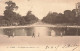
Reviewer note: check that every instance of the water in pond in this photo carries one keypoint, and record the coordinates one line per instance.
(40, 31)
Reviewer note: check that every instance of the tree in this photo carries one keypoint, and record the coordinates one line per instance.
(30, 18)
(51, 18)
(67, 18)
(9, 14)
(11, 6)
(70, 16)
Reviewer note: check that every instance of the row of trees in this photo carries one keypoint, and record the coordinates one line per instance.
(68, 17)
(12, 18)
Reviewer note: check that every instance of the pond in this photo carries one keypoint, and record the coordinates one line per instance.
(40, 31)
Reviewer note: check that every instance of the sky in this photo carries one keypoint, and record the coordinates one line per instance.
(40, 8)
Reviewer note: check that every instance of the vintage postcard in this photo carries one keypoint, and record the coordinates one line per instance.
(39, 25)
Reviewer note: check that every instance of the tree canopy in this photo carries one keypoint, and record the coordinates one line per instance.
(68, 17)
(30, 18)
(12, 18)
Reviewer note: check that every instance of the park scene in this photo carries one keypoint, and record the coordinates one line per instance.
(40, 23)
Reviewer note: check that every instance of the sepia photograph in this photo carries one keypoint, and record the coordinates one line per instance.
(39, 25)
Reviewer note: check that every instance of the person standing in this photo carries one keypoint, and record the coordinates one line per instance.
(33, 35)
(38, 34)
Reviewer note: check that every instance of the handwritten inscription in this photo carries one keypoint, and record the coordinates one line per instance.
(64, 47)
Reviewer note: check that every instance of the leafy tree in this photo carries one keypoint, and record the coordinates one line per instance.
(50, 18)
(12, 17)
(11, 6)
(30, 18)
(69, 17)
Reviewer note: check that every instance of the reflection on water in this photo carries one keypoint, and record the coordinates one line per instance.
(38, 31)
(29, 31)
(19, 32)
(1, 31)
(41, 31)
(8, 32)
(53, 33)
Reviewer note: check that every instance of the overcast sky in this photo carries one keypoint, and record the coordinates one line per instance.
(40, 8)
